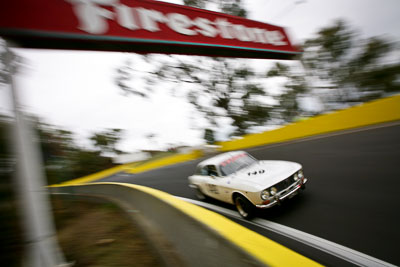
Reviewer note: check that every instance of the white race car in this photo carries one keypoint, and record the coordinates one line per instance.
(238, 178)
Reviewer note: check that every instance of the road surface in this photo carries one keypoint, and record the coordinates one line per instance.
(352, 196)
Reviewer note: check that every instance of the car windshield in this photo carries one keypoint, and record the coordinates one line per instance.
(236, 163)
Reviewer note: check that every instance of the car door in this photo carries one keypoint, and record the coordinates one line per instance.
(223, 183)
(218, 186)
(206, 182)
(210, 183)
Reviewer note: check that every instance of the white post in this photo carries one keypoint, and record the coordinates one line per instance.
(41, 247)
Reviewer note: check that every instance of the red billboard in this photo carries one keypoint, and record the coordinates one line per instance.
(142, 26)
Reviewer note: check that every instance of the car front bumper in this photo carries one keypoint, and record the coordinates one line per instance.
(287, 193)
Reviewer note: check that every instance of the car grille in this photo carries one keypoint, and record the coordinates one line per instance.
(285, 183)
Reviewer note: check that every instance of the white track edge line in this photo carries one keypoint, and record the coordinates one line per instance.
(342, 252)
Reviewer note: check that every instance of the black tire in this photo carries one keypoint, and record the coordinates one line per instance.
(199, 194)
(245, 208)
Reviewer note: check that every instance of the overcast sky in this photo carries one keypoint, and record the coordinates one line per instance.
(76, 90)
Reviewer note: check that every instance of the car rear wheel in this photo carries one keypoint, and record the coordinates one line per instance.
(244, 207)
(200, 194)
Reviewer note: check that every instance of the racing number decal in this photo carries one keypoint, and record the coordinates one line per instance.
(213, 188)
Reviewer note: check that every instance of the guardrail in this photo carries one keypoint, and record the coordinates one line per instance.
(188, 235)
(374, 112)
(170, 160)
(135, 167)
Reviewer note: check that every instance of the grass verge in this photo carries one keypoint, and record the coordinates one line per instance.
(100, 234)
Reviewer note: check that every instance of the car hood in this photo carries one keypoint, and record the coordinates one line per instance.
(266, 173)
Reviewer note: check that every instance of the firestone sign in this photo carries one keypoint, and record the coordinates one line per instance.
(94, 19)
(142, 26)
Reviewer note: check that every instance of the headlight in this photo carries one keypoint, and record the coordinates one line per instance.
(296, 177)
(264, 195)
(300, 174)
(273, 190)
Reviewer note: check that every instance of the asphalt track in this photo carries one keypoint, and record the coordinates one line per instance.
(352, 197)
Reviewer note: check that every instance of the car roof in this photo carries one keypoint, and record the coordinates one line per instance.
(218, 159)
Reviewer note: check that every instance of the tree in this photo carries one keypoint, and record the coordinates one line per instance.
(220, 88)
(122, 78)
(63, 159)
(340, 69)
(217, 87)
(225, 83)
(107, 140)
(12, 243)
(196, 3)
(232, 7)
(87, 162)
(294, 86)
(209, 136)
(9, 62)
(350, 69)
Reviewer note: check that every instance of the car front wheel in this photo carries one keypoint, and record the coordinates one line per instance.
(244, 207)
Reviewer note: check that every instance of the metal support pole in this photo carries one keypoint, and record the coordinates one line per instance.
(41, 247)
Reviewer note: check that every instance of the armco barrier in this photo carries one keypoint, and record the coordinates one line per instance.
(98, 175)
(162, 162)
(135, 167)
(197, 236)
(379, 111)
